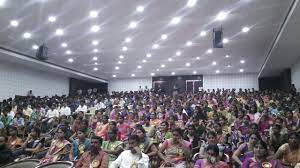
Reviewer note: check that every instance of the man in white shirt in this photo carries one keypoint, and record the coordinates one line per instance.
(65, 110)
(82, 107)
(53, 112)
(132, 157)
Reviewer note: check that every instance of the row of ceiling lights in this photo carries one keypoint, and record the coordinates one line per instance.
(132, 25)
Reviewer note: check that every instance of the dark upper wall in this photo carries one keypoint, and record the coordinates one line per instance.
(170, 83)
(76, 84)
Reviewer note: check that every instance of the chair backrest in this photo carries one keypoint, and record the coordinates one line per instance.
(59, 164)
(30, 163)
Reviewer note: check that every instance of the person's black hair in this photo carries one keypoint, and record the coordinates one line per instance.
(37, 130)
(192, 127)
(98, 138)
(253, 124)
(213, 147)
(105, 116)
(294, 134)
(256, 134)
(85, 122)
(178, 130)
(165, 122)
(280, 119)
(212, 133)
(114, 123)
(262, 143)
(133, 137)
(140, 127)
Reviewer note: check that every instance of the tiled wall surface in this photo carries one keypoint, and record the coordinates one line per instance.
(244, 81)
(17, 80)
(131, 84)
(296, 76)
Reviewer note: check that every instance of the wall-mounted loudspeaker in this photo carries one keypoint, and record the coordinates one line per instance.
(218, 38)
(42, 52)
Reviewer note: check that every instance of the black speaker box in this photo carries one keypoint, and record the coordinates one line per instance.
(42, 52)
(218, 38)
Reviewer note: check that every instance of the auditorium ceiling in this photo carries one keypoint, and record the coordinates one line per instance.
(143, 38)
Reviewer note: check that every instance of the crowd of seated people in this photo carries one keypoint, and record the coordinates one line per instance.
(209, 129)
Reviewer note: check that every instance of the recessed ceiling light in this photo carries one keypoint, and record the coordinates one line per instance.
(197, 58)
(187, 64)
(162, 65)
(35, 47)
(68, 52)
(133, 25)
(188, 43)
(124, 48)
(132, 75)
(128, 39)
(242, 61)
(51, 18)
(227, 56)
(217, 71)
(203, 33)
(241, 70)
(209, 51)
(191, 3)
(93, 14)
(95, 28)
(121, 57)
(96, 63)
(114, 76)
(117, 68)
(2, 2)
(70, 60)
(152, 74)
(214, 63)
(155, 46)
(175, 20)
(194, 72)
(149, 55)
(144, 61)
(59, 32)
(139, 66)
(95, 42)
(140, 8)
(228, 66)
(95, 69)
(95, 50)
(14, 23)
(64, 45)
(245, 29)
(157, 69)
(164, 36)
(221, 16)
(225, 41)
(27, 35)
(95, 58)
(178, 53)
(170, 59)
(173, 73)
(119, 62)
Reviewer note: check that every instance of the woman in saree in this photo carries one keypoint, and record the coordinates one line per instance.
(59, 148)
(176, 151)
(289, 153)
(245, 150)
(260, 158)
(147, 146)
(112, 146)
